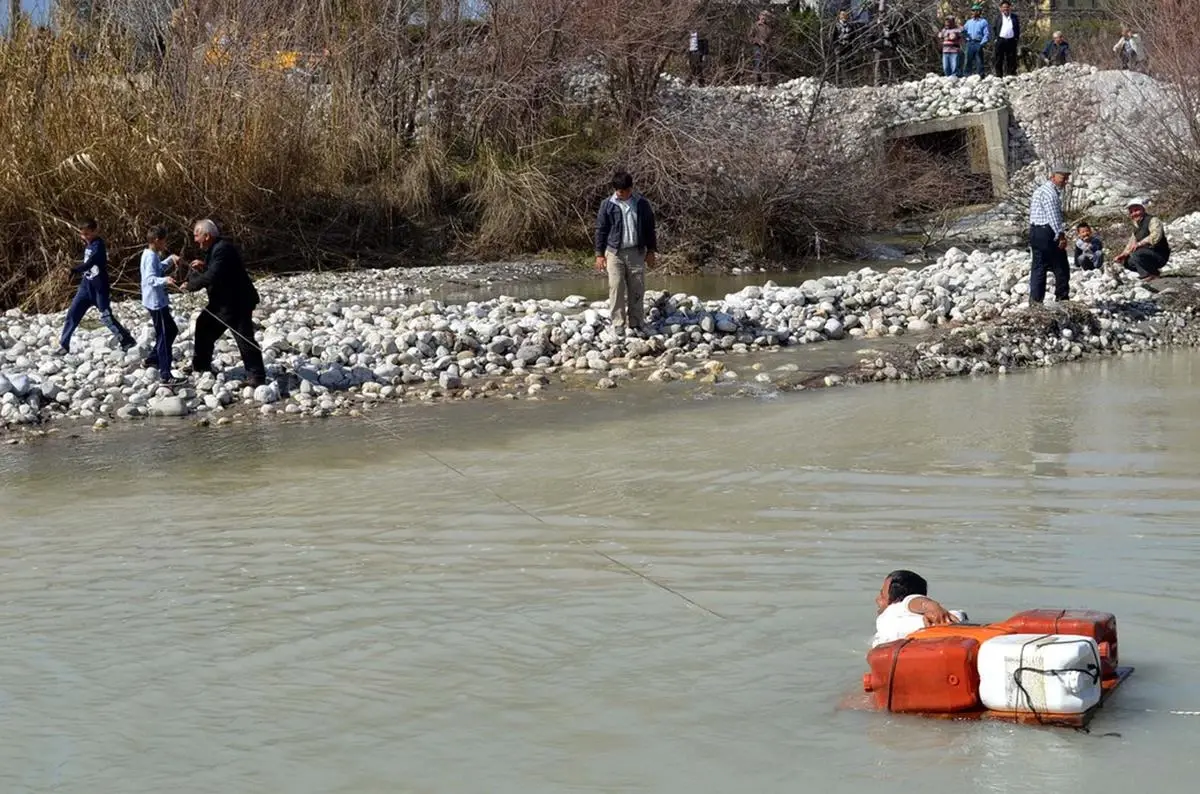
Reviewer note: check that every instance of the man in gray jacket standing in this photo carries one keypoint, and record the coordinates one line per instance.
(625, 244)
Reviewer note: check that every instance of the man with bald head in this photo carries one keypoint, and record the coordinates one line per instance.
(231, 301)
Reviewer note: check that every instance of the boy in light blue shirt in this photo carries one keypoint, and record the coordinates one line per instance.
(155, 281)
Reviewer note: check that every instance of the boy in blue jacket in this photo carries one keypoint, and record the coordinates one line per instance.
(93, 289)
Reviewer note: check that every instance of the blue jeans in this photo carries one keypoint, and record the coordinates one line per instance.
(165, 331)
(91, 294)
(974, 63)
(950, 63)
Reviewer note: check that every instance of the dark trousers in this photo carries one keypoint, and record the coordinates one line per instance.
(1006, 57)
(1047, 255)
(209, 328)
(88, 295)
(695, 68)
(165, 331)
(1145, 262)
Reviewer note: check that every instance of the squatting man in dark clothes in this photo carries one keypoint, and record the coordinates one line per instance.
(1148, 250)
(625, 246)
(231, 302)
(1048, 238)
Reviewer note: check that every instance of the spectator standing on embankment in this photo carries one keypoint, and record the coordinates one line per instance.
(978, 33)
(625, 244)
(1008, 37)
(760, 35)
(951, 39)
(697, 54)
(1048, 238)
(845, 31)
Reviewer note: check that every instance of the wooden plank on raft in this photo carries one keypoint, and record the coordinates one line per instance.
(1107, 687)
(859, 702)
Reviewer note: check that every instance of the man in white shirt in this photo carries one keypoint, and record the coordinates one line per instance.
(904, 608)
(1008, 38)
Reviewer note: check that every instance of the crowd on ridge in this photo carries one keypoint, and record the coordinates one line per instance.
(873, 27)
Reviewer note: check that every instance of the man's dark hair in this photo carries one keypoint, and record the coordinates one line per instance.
(1083, 225)
(902, 584)
(622, 180)
(156, 233)
(89, 224)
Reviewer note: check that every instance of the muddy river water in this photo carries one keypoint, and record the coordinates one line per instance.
(365, 607)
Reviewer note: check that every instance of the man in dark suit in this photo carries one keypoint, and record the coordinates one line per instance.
(1007, 31)
(231, 301)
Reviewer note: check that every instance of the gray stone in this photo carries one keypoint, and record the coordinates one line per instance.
(168, 406)
(335, 378)
(20, 384)
(266, 394)
(529, 353)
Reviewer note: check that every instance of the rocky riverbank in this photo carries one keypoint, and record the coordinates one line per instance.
(327, 357)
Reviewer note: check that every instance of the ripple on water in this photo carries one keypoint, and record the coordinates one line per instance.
(278, 609)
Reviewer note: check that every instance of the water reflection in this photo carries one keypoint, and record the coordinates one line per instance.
(709, 286)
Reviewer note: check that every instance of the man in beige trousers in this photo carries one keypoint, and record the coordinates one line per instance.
(625, 245)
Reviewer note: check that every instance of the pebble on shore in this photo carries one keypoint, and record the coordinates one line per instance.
(326, 357)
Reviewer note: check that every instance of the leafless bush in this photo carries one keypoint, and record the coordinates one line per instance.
(1158, 129)
(636, 40)
(930, 188)
(745, 188)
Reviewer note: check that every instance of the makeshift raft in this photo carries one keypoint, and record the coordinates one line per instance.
(1053, 667)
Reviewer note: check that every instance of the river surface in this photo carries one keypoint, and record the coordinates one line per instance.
(708, 286)
(329, 608)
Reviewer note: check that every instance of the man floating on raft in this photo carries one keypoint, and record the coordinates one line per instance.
(1043, 666)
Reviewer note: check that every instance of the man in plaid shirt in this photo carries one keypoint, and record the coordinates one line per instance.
(1048, 238)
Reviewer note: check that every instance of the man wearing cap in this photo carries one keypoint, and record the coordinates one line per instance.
(1048, 238)
(1148, 250)
(978, 33)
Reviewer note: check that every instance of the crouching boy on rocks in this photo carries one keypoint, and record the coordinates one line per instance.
(625, 245)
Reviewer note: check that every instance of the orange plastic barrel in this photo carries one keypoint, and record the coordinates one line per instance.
(1100, 626)
(935, 675)
(980, 633)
